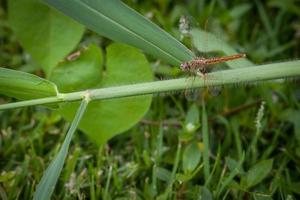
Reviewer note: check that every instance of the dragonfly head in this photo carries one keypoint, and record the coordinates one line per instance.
(185, 66)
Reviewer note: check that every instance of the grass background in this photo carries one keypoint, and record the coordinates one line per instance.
(149, 161)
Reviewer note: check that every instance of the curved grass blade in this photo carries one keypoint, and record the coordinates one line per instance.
(47, 184)
(114, 20)
(23, 85)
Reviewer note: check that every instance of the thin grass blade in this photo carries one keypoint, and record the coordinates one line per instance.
(205, 136)
(231, 176)
(47, 184)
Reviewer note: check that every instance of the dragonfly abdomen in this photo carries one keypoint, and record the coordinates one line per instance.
(212, 61)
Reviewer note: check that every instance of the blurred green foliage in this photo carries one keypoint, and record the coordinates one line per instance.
(140, 164)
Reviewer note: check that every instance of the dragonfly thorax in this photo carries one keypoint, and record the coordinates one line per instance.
(199, 63)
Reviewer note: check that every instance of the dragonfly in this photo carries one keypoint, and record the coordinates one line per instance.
(200, 65)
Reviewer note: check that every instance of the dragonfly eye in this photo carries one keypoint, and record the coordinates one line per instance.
(184, 66)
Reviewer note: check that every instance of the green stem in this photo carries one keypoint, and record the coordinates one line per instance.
(172, 179)
(205, 136)
(239, 76)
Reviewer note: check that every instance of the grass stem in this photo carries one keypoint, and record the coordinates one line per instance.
(239, 77)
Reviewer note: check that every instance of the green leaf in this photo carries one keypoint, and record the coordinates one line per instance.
(206, 42)
(234, 166)
(82, 73)
(191, 124)
(257, 173)
(266, 196)
(21, 85)
(191, 158)
(295, 187)
(163, 174)
(192, 119)
(206, 194)
(239, 10)
(45, 33)
(181, 178)
(293, 116)
(115, 20)
(6, 176)
(104, 119)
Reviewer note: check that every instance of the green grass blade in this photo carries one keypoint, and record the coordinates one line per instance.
(205, 136)
(264, 18)
(23, 85)
(231, 176)
(216, 164)
(47, 184)
(106, 190)
(114, 20)
(172, 179)
(236, 137)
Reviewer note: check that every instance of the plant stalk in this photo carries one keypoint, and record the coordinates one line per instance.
(239, 77)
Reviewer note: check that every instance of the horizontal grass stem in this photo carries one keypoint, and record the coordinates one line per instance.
(238, 76)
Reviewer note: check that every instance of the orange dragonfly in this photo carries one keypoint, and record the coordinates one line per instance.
(200, 64)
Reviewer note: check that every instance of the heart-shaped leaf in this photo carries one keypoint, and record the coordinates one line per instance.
(45, 33)
(84, 72)
(104, 119)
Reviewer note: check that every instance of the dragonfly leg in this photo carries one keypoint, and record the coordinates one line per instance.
(202, 75)
(192, 75)
(187, 81)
